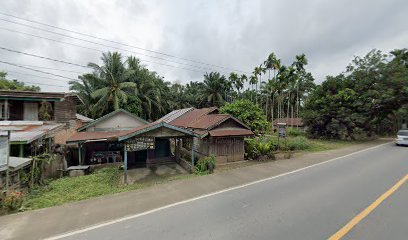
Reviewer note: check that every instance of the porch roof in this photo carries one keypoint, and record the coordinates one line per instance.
(123, 135)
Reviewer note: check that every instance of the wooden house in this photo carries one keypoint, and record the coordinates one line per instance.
(220, 135)
(123, 137)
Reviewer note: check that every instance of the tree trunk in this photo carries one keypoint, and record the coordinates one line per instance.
(297, 105)
(287, 113)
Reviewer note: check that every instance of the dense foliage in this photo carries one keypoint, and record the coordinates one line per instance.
(6, 84)
(248, 113)
(125, 83)
(357, 103)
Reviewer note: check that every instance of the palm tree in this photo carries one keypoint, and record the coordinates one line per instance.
(299, 64)
(214, 89)
(112, 75)
(84, 89)
(252, 80)
(242, 79)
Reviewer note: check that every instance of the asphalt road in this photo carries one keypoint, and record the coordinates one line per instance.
(310, 204)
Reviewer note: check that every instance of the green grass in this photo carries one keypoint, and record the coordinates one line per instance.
(302, 143)
(68, 189)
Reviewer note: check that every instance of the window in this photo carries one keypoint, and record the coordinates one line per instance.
(3, 113)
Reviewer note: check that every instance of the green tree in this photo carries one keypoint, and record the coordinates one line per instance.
(112, 75)
(355, 104)
(214, 89)
(249, 113)
(14, 84)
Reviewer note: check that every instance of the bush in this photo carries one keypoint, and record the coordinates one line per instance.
(299, 143)
(13, 200)
(294, 132)
(205, 165)
(259, 148)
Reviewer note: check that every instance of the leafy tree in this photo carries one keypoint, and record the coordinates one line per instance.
(249, 113)
(6, 84)
(354, 104)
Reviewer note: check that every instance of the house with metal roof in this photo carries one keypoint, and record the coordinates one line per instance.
(37, 120)
(123, 137)
(220, 135)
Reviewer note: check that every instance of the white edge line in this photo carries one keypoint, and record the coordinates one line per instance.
(203, 196)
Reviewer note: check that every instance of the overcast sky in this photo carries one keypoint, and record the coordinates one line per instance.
(224, 34)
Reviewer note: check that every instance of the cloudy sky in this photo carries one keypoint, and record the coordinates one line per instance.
(218, 35)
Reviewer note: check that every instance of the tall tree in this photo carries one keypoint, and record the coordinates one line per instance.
(214, 89)
(112, 75)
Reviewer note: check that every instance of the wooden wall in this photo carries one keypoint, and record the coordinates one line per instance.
(65, 110)
(227, 149)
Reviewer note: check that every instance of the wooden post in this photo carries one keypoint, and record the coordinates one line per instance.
(6, 110)
(125, 163)
(79, 154)
(192, 153)
(8, 160)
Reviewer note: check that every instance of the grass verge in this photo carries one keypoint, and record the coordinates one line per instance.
(68, 189)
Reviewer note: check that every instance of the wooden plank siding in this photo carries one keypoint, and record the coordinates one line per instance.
(65, 110)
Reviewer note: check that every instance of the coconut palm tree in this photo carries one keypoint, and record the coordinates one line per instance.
(112, 75)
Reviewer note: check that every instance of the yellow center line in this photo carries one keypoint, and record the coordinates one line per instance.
(344, 230)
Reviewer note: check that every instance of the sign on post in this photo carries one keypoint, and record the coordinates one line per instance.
(140, 143)
(282, 130)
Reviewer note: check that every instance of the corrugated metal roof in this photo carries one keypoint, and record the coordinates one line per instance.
(83, 118)
(208, 121)
(230, 132)
(88, 136)
(18, 162)
(190, 117)
(174, 115)
(31, 94)
(29, 132)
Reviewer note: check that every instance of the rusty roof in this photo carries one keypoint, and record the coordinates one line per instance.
(191, 116)
(289, 121)
(208, 121)
(89, 136)
(230, 132)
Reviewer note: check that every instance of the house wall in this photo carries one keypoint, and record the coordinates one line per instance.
(227, 149)
(70, 129)
(120, 121)
(65, 110)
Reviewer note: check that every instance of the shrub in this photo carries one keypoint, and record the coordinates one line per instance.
(13, 200)
(259, 148)
(299, 143)
(205, 165)
(294, 132)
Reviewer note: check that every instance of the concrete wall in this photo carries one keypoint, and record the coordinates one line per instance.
(120, 121)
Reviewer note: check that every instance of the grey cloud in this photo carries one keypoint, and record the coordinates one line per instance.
(238, 34)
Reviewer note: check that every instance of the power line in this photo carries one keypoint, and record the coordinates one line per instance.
(96, 43)
(36, 70)
(46, 58)
(32, 75)
(55, 69)
(120, 43)
(89, 48)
